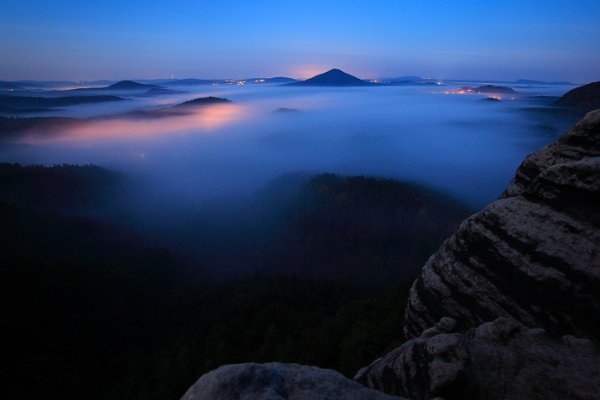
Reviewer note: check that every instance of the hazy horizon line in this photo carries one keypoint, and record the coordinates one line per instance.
(174, 78)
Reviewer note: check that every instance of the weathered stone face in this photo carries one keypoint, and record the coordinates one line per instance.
(495, 361)
(533, 255)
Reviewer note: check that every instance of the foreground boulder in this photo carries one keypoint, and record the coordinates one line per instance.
(533, 255)
(497, 360)
(275, 381)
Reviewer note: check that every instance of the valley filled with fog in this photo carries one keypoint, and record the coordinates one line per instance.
(462, 145)
(203, 200)
(229, 223)
(209, 181)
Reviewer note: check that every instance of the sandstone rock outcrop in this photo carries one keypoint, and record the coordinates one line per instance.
(580, 142)
(497, 360)
(533, 255)
(277, 381)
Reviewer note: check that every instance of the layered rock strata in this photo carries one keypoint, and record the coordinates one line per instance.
(533, 255)
(497, 360)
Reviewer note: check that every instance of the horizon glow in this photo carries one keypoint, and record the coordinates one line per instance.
(554, 40)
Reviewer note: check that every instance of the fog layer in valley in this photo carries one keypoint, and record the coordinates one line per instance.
(191, 169)
(457, 143)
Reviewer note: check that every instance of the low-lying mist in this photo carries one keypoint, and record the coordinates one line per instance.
(193, 176)
(459, 144)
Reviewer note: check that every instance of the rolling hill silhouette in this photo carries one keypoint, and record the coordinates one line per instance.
(129, 85)
(333, 77)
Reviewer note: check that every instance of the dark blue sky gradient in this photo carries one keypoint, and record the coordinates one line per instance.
(84, 40)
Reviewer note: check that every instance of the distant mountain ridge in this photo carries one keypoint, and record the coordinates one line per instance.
(197, 82)
(203, 101)
(584, 98)
(130, 85)
(190, 82)
(121, 86)
(494, 89)
(275, 79)
(536, 82)
(333, 77)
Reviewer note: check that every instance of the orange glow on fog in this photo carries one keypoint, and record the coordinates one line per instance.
(306, 71)
(460, 91)
(163, 102)
(201, 120)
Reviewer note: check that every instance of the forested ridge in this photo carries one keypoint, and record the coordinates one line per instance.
(92, 310)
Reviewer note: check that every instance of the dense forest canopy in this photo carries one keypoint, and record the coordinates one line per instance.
(90, 308)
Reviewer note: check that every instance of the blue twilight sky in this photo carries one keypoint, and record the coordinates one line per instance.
(485, 39)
